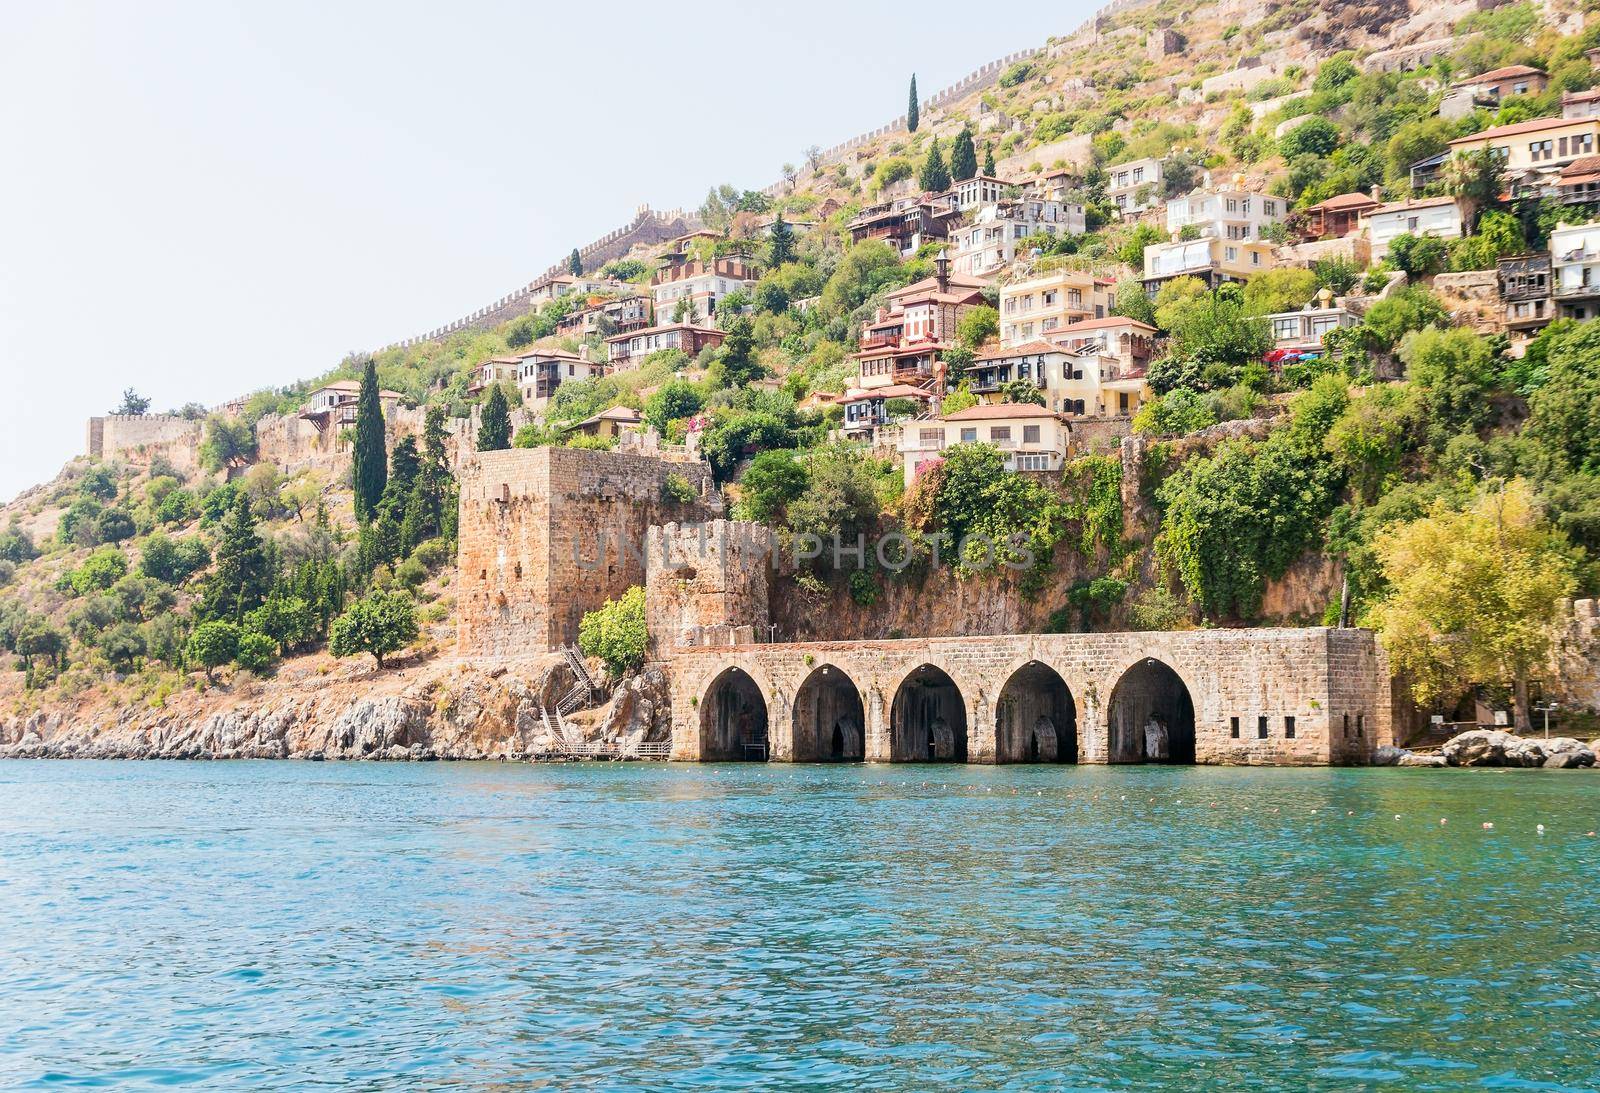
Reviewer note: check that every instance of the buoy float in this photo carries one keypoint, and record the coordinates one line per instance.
(1442, 820)
(1541, 829)
(1487, 826)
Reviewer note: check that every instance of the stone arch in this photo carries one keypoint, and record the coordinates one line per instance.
(1035, 717)
(830, 721)
(1150, 692)
(928, 718)
(733, 718)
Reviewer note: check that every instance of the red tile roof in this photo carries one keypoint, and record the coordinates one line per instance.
(1506, 73)
(1004, 352)
(1537, 125)
(1345, 201)
(1100, 324)
(990, 411)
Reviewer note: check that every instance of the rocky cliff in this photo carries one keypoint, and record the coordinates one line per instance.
(446, 709)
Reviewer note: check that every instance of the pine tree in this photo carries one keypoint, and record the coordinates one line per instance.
(245, 569)
(935, 176)
(404, 466)
(371, 458)
(963, 156)
(782, 242)
(913, 109)
(425, 511)
(494, 430)
(988, 158)
(575, 263)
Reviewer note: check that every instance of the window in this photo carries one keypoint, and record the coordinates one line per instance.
(1346, 726)
(1048, 299)
(1261, 727)
(1286, 328)
(1030, 434)
(969, 436)
(1288, 728)
(1036, 461)
(1255, 258)
(1269, 207)
(1232, 254)
(1138, 175)
(930, 438)
(1541, 150)
(999, 432)
(1233, 727)
(1360, 717)
(1075, 298)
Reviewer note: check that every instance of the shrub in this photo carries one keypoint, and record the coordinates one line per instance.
(433, 553)
(863, 589)
(410, 574)
(380, 623)
(616, 632)
(211, 645)
(677, 489)
(102, 569)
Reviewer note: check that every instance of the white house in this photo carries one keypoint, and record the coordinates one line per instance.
(1000, 230)
(1135, 186)
(1228, 213)
(1439, 217)
(1031, 438)
(541, 371)
(1575, 269)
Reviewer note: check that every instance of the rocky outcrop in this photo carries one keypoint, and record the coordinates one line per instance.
(1496, 748)
(445, 710)
(1390, 756)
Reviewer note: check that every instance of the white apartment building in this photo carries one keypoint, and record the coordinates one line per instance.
(1135, 186)
(1000, 230)
(1438, 217)
(1237, 216)
(1209, 258)
(1575, 270)
(1031, 438)
(1041, 305)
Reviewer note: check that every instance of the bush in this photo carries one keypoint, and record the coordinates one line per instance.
(255, 652)
(616, 632)
(434, 553)
(380, 623)
(102, 569)
(211, 645)
(677, 489)
(863, 589)
(410, 574)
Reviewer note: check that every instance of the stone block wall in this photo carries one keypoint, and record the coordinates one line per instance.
(139, 438)
(547, 534)
(1243, 687)
(707, 584)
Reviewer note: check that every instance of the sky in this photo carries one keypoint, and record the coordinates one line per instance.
(198, 200)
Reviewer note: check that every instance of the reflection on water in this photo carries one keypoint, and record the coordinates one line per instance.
(877, 928)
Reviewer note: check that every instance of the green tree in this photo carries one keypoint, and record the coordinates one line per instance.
(768, 485)
(371, 458)
(379, 623)
(672, 401)
(963, 156)
(244, 571)
(1274, 290)
(1021, 393)
(616, 632)
(960, 399)
(494, 427)
(988, 159)
(102, 569)
(404, 464)
(575, 263)
(934, 176)
(255, 652)
(1132, 303)
(1457, 372)
(913, 107)
(1316, 137)
(781, 246)
(1564, 409)
(1475, 180)
(1473, 596)
(228, 444)
(1418, 256)
(211, 645)
(977, 326)
(133, 404)
(287, 620)
(737, 363)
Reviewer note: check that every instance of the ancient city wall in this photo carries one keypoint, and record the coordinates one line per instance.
(707, 584)
(1234, 678)
(142, 437)
(547, 534)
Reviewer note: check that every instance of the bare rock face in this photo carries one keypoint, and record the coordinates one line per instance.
(1496, 748)
(640, 710)
(448, 710)
(1390, 756)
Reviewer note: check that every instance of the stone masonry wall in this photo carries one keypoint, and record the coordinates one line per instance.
(547, 534)
(141, 437)
(707, 584)
(1314, 675)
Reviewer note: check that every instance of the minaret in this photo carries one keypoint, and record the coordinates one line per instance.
(941, 269)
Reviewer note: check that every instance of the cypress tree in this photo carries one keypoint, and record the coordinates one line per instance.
(404, 465)
(935, 176)
(371, 458)
(575, 263)
(913, 109)
(782, 242)
(988, 158)
(494, 431)
(963, 156)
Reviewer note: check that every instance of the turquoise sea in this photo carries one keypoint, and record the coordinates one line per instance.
(675, 927)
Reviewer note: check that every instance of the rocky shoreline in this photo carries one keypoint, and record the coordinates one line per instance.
(1496, 748)
(442, 711)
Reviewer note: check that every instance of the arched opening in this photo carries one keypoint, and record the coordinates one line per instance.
(1035, 719)
(928, 721)
(1151, 716)
(829, 718)
(733, 718)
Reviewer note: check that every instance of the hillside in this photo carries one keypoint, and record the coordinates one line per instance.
(1236, 485)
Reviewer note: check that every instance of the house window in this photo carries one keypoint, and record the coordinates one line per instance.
(1255, 258)
(1233, 727)
(1261, 728)
(1075, 298)
(1030, 434)
(1269, 207)
(1285, 329)
(1288, 728)
(1138, 175)
(1541, 150)
(999, 432)
(1232, 254)
(969, 436)
(930, 438)
(1048, 299)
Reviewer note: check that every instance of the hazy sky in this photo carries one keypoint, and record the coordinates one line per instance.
(201, 199)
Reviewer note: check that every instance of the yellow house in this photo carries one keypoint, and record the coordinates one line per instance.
(1038, 306)
(1543, 142)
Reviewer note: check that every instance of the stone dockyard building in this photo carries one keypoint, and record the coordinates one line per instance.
(550, 533)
